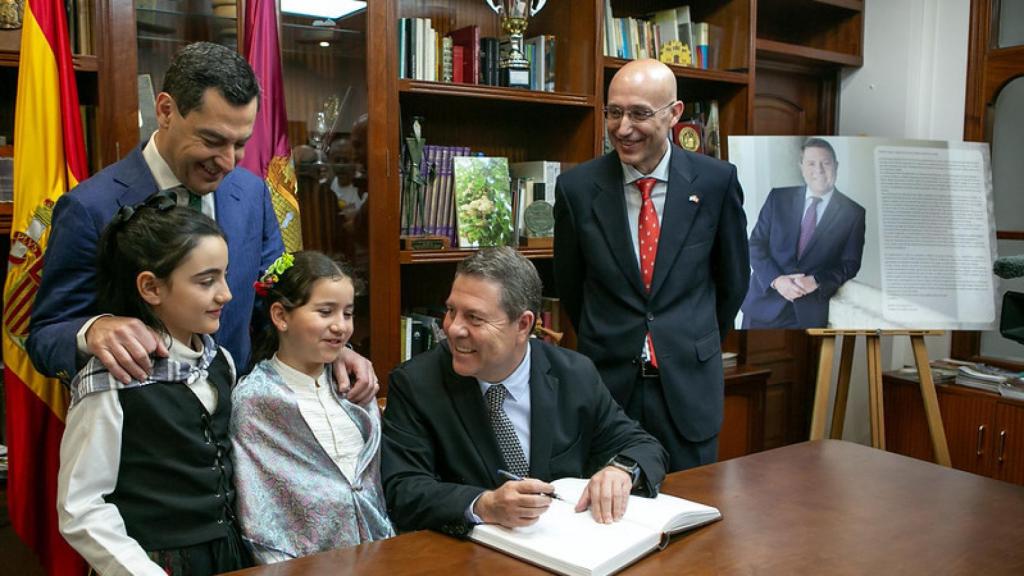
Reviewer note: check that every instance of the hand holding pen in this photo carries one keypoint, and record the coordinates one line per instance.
(516, 478)
(514, 504)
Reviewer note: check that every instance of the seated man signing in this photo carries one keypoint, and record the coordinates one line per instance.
(490, 399)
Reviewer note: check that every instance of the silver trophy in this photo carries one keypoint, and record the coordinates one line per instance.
(514, 69)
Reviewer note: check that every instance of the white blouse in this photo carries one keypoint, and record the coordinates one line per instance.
(331, 425)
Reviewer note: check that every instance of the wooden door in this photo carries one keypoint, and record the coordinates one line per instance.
(968, 418)
(1008, 443)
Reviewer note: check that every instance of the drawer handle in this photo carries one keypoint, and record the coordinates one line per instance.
(1002, 445)
(981, 439)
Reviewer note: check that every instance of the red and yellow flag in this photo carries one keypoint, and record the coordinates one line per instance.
(267, 152)
(49, 159)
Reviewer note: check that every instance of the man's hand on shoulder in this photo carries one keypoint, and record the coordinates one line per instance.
(515, 503)
(124, 345)
(607, 495)
(365, 386)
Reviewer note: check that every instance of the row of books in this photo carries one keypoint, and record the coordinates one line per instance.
(430, 209)
(464, 57)
(473, 200)
(423, 328)
(419, 332)
(79, 21)
(667, 35)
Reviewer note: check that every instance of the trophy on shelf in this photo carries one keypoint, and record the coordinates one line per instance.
(514, 69)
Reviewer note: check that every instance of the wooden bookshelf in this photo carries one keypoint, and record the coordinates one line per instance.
(684, 72)
(786, 52)
(454, 92)
(456, 255)
(566, 125)
(764, 43)
(6, 213)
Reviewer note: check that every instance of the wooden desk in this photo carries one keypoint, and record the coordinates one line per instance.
(825, 507)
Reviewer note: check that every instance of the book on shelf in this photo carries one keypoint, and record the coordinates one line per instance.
(483, 201)
(468, 38)
(447, 69)
(419, 50)
(535, 54)
(713, 132)
(490, 49)
(567, 542)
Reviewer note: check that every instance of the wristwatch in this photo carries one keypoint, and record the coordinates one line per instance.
(627, 465)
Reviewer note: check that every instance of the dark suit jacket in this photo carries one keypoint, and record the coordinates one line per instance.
(700, 276)
(832, 256)
(439, 450)
(67, 293)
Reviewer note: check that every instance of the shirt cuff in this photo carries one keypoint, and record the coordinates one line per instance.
(470, 516)
(83, 346)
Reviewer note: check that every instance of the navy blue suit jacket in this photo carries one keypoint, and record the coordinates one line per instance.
(439, 450)
(67, 293)
(832, 256)
(700, 276)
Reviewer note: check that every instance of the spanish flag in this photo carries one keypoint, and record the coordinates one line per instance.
(49, 159)
(267, 152)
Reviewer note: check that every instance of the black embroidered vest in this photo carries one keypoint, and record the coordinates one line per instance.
(174, 486)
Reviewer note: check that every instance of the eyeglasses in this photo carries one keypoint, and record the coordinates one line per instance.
(637, 114)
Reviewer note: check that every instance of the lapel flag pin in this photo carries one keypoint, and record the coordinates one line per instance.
(694, 199)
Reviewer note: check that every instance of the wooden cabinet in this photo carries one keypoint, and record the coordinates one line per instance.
(743, 424)
(985, 431)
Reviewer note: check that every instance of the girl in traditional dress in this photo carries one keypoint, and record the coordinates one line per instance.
(145, 484)
(307, 460)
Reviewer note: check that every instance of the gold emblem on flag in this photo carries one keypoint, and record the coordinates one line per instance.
(25, 264)
(282, 183)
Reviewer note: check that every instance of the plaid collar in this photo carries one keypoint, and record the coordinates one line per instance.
(95, 378)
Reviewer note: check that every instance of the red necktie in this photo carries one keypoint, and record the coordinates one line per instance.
(648, 235)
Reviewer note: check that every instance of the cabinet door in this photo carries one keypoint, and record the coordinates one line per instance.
(967, 417)
(1008, 443)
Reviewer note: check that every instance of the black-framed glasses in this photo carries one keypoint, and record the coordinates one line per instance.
(637, 114)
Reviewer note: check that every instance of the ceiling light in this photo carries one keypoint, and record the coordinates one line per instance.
(323, 8)
(325, 44)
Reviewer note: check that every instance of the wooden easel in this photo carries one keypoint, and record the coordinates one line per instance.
(873, 337)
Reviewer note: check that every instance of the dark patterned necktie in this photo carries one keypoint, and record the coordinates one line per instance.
(807, 226)
(508, 442)
(648, 234)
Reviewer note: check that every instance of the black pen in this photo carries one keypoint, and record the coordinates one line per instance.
(516, 478)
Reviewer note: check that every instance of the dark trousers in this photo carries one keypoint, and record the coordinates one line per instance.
(647, 405)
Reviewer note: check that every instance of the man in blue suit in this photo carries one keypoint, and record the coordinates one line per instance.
(205, 115)
(808, 241)
(652, 308)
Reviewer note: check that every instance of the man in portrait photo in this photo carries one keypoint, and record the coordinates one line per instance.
(808, 241)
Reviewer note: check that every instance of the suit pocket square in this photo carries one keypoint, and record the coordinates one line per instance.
(694, 198)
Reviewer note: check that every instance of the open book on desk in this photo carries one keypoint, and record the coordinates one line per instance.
(569, 543)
